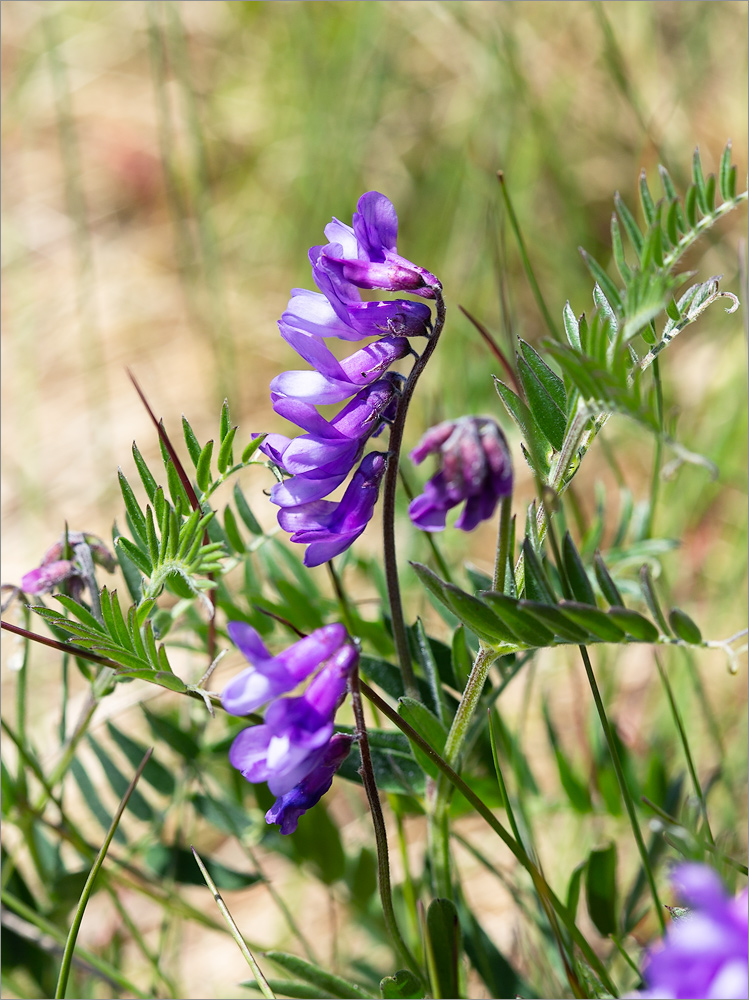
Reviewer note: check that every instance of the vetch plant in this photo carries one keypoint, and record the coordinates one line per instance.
(431, 739)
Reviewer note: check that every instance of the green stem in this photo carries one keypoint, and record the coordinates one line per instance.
(340, 594)
(542, 887)
(624, 790)
(503, 544)
(400, 635)
(685, 745)
(468, 702)
(378, 821)
(658, 450)
(260, 979)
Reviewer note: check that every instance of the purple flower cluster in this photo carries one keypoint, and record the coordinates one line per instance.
(295, 749)
(704, 953)
(475, 467)
(363, 255)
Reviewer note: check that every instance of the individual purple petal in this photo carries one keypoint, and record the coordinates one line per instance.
(338, 232)
(699, 886)
(375, 224)
(248, 642)
(312, 387)
(287, 809)
(274, 446)
(475, 468)
(302, 489)
(393, 275)
(249, 753)
(45, 577)
(315, 313)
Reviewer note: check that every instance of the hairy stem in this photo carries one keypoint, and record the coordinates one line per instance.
(658, 451)
(388, 504)
(378, 821)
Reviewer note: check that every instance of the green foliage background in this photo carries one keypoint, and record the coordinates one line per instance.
(166, 167)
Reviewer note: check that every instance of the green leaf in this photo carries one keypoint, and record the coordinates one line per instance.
(149, 483)
(571, 327)
(90, 793)
(608, 287)
(402, 986)
(594, 620)
(334, 986)
(500, 977)
(232, 530)
(607, 585)
(82, 614)
(651, 599)
(537, 584)
(576, 573)
(154, 772)
(443, 948)
(634, 624)
(203, 471)
(426, 725)
(224, 421)
(252, 447)
(690, 205)
(224, 459)
(132, 507)
(554, 620)
(542, 406)
(395, 767)
(618, 250)
(710, 192)
(476, 615)
(672, 222)
(668, 185)
(164, 729)
(699, 182)
(573, 888)
(683, 626)
(548, 378)
(243, 509)
(119, 784)
(535, 439)
(630, 226)
(600, 889)
(170, 861)
(724, 174)
(289, 988)
(646, 200)
(518, 623)
(128, 567)
(193, 445)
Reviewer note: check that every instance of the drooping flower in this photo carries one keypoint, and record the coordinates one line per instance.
(55, 570)
(327, 527)
(703, 954)
(287, 809)
(293, 738)
(321, 459)
(366, 255)
(475, 468)
(333, 381)
(270, 676)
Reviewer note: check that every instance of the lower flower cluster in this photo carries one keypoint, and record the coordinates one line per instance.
(295, 750)
(318, 461)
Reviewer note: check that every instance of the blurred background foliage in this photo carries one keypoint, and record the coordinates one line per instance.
(167, 165)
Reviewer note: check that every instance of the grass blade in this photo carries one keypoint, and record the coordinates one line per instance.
(67, 956)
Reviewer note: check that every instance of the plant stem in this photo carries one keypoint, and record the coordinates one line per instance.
(503, 544)
(378, 821)
(468, 702)
(685, 744)
(438, 557)
(658, 451)
(388, 504)
(542, 887)
(625, 793)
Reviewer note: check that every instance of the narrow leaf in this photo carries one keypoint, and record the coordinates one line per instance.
(149, 483)
(629, 223)
(607, 585)
(193, 445)
(699, 182)
(600, 889)
(335, 986)
(651, 599)
(132, 507)
(224, 458)
(243, 509)
(594, 620)
(443, 947)
(519, 623)
(646, 200)
(134, 554)
(683, 626)
(724, 173)
(634, 624)
(576, 573)
(571, 327)
(558, 623)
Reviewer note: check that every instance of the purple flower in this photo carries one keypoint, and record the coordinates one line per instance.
(328, 527)
(475, 467)
(366, 254)
(320, 460)
(54, 570)
(293, 739)
(270, 676)
(332, 381)
(340, 312)
(287, 809)
(704, 954)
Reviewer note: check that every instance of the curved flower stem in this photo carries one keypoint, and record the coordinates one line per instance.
(388, 504)
(378, 821)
